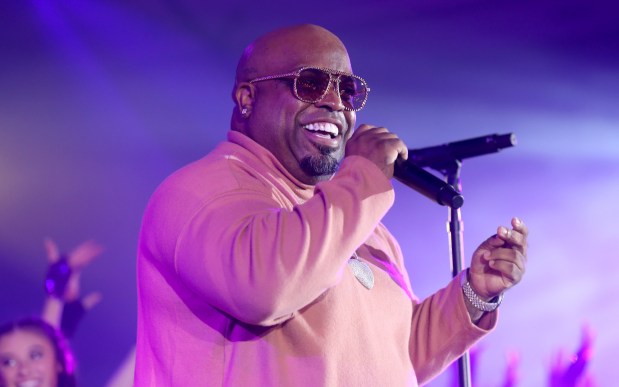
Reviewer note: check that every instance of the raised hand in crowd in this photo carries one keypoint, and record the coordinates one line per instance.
(570, 370)
(64, 306)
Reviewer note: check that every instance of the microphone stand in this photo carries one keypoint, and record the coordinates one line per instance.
(447, 159)
(455, 233)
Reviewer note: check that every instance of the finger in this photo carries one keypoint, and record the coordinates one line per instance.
(91, 300)
(378, 134)
(519, 226)
(508, 270)
(508, 255)
(396, 148)
(494, 241)
(403, 151)
(382, 134)
(586, 342)
(84, 253)
(587, 334)
(51, 249)
(377, 144)
(72, 291)
(513, 238)
(364, 128)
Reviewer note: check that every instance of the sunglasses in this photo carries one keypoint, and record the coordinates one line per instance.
(311, 84)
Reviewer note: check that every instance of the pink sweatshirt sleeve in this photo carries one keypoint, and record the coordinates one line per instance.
(260, 259)
(441, 330)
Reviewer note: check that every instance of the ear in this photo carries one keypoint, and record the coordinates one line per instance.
(244, 96)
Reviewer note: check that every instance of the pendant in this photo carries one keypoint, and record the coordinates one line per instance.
(362, 271)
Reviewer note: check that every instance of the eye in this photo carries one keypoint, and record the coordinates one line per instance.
(348, 88)
(36, 354)
(312, 83)
(8, 362)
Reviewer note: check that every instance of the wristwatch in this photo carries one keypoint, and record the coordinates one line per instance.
(475, 300)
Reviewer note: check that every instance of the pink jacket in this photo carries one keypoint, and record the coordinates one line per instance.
(243, 281)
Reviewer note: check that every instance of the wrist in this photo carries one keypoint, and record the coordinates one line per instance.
(475, 299)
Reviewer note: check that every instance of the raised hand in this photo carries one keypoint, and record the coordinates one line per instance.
(500, 261)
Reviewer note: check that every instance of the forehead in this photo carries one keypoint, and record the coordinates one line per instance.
(22, 340)
(328, 54)
(291, 49)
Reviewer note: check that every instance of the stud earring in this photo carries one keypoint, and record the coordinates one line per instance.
(244, 112)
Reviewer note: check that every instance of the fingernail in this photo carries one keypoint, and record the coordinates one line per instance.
(503, 231)
(517, 221)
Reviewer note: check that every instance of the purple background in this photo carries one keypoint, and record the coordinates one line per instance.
(99, 101)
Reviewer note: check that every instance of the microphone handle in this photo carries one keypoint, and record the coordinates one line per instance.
(427, 184)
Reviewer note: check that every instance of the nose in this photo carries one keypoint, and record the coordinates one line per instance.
(23, 368)
(332, 99)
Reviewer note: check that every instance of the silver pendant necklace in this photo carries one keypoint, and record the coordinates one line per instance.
(362, 271)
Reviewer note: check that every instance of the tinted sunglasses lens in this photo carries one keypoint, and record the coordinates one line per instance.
(312, 84)
(353, 92)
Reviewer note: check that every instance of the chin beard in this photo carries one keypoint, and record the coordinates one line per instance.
(320, 165)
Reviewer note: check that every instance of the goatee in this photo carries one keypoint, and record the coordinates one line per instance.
(322, 164)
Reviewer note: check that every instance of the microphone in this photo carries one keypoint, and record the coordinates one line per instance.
(427, 184)
(437, 156)
(411, 173)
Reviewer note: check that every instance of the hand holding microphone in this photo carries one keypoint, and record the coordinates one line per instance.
(389, 153)
(378, 145)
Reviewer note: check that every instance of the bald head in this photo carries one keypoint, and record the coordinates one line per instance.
(290, 48)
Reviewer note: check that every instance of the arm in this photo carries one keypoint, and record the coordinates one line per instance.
(260, 259)
(442, 330)
(63, 286)
(52, 311)
(446, 324)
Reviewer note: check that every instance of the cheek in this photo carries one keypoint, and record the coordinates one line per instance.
(351, 119)
(50, 368)
(7, 375)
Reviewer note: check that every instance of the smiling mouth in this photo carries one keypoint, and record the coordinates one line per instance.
(29, 383)
(323, 129)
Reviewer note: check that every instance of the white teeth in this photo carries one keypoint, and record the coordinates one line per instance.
(326, 127)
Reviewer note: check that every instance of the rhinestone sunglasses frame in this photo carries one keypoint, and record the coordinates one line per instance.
(334, 76)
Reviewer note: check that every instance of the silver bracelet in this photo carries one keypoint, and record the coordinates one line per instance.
(475, 300)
